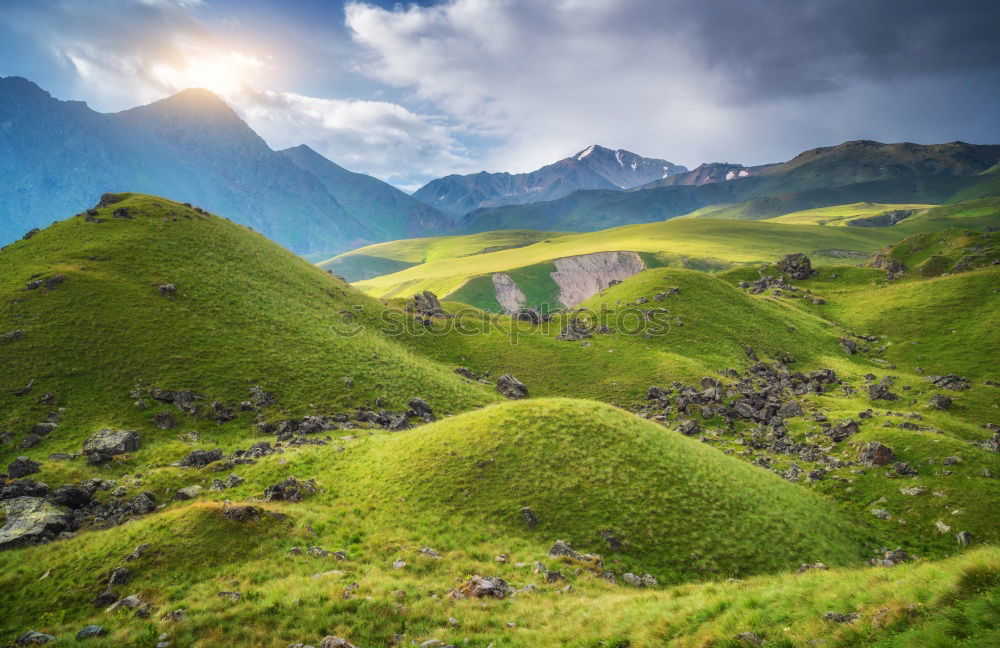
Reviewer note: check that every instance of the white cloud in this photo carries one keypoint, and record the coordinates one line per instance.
(687, 81)
(375, 137)
(127, 54)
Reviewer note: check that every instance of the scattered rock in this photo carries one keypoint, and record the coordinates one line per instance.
(418, 407)
(132, 602)
(141, 504)
(241, 513)
(335, 642)
(562, 549)
(796, 266)
(200, 458)
(164, 420)
(22, 467)
(31, 637)
(950, 381)
(837, 617)
(91, 631)
(426, 304)
(511, 387)
(849, 345)
(880, 391)
(874, 453)
(843, 430)
(483, 587)
(890, 558)
(139, 551)
(964, 538)
(107, 443)
(810, 567)
(290, 490)
(187, 493)
(16, 334)
(530, 519)
(940, 401)
(119, 576)
(32, 520)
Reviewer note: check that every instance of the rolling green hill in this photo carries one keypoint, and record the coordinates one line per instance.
(688, 525)
(107, 329)
(384, 258)
(834, 215)
(709, 244)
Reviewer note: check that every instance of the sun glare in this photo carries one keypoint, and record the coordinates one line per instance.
(221, 73)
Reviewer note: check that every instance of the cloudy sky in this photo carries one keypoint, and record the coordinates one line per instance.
(412, 91)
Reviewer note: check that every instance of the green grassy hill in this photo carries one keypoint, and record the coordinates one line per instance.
(722, 517)
(836, 215)
(385, 258)
(708, 244)
(244, 312)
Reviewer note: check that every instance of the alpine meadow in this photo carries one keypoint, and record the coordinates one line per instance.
(333, 324)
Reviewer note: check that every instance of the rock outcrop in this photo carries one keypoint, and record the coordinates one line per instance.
(580, 277)
(508, 295)
(32, 520)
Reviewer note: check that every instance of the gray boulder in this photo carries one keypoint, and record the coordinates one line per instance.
(90, 632)
(796, 266)
(426, 303)
(511, 387)
(874, 453)
(107, 443)
(32, 520)
(33, 638)
(199, 458)
(22, 467)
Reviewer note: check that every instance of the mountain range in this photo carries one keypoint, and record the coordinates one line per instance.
(595, 167)
(856, 171)
(56, 156)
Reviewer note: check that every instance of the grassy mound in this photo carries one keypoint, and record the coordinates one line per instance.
(243, 312)
(681, 509)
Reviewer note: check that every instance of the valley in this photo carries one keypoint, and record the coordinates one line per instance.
(716, 445)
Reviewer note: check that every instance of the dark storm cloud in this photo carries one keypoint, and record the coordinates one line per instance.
(769, 47)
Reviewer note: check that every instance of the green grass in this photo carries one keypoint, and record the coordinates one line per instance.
(710, 244)
(841, 214)
(692, 511)
(246, 312)
(383, 258)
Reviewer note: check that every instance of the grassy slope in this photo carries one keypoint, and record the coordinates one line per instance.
(373, 260)
(197, 553)
(457, 486)
(704, 329)
(724, 241)
(838, 215)
(246, 312)
(709, 243)
(383, 494)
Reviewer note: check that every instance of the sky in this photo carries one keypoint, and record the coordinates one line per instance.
(412, 91)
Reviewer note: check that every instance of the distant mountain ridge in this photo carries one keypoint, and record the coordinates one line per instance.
(857, 171)
(57, 157)
(595, 167)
